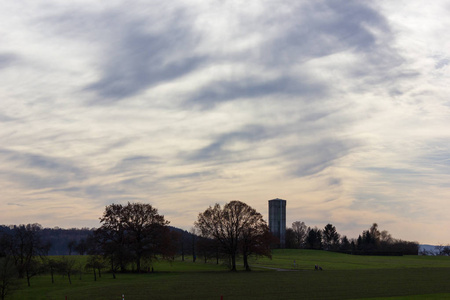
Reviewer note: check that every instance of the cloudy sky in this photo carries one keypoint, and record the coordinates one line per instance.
(340, 107)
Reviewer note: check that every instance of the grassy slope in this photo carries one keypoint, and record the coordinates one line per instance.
(306, 259)
(345, 277)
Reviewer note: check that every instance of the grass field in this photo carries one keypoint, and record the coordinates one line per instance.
(306, 259)
(344, 277)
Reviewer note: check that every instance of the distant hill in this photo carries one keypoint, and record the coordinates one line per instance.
(428, 248)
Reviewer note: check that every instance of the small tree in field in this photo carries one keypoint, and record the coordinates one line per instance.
(26, 248)
(52, 265)
(67, 267)
(95, 263)
(8, 277)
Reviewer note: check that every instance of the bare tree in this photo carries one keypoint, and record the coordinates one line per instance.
(8, 277)
(67, 267)
(71, 246)
(300, 231)
(95, 263)
(386, 237)
(146, 230)
(135, 230)
(375, 234)
(222, 226)
(27, 249)
(442, 250)
(235, 226)
(207, 248)
(110, 239)
(52, 265)
(256, 239)
(81, 247)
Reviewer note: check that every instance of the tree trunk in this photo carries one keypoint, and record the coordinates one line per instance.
(112, 268)
(194, 257)
(138, 263)
(28, 279)
(233, 262)
(246, 265)
(182, 249)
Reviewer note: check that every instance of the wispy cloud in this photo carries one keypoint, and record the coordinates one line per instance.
(340, 107)
(15, 204)
(7, 60)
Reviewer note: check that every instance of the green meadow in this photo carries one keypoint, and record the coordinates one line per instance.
(306, 259)
(343, 277)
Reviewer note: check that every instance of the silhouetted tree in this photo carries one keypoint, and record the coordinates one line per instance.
(290, 242)
(146, 231)
(111, 238)
(345, 244)
(168, 243)
(26, 248)
(133, 231)
(206, 248)
(314, 238)
(71, 245)
(52, 265)
(330, 238)
(385, 237)
(445, 251)
(375, 233)
(367, 242)
(81, 247)
(300, 231)
(373, 241)
(256, 237)
(183, 244)
(234, 226)
(8, 276)
(224, 225)
(95, 263)
(67, 266)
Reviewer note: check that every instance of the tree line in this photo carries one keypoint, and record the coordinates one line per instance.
(61, 241)
(132, 236)
(369, 242)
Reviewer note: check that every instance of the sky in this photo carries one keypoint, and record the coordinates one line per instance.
(342, 108)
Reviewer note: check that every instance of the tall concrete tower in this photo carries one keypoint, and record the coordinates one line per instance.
(277, 219)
